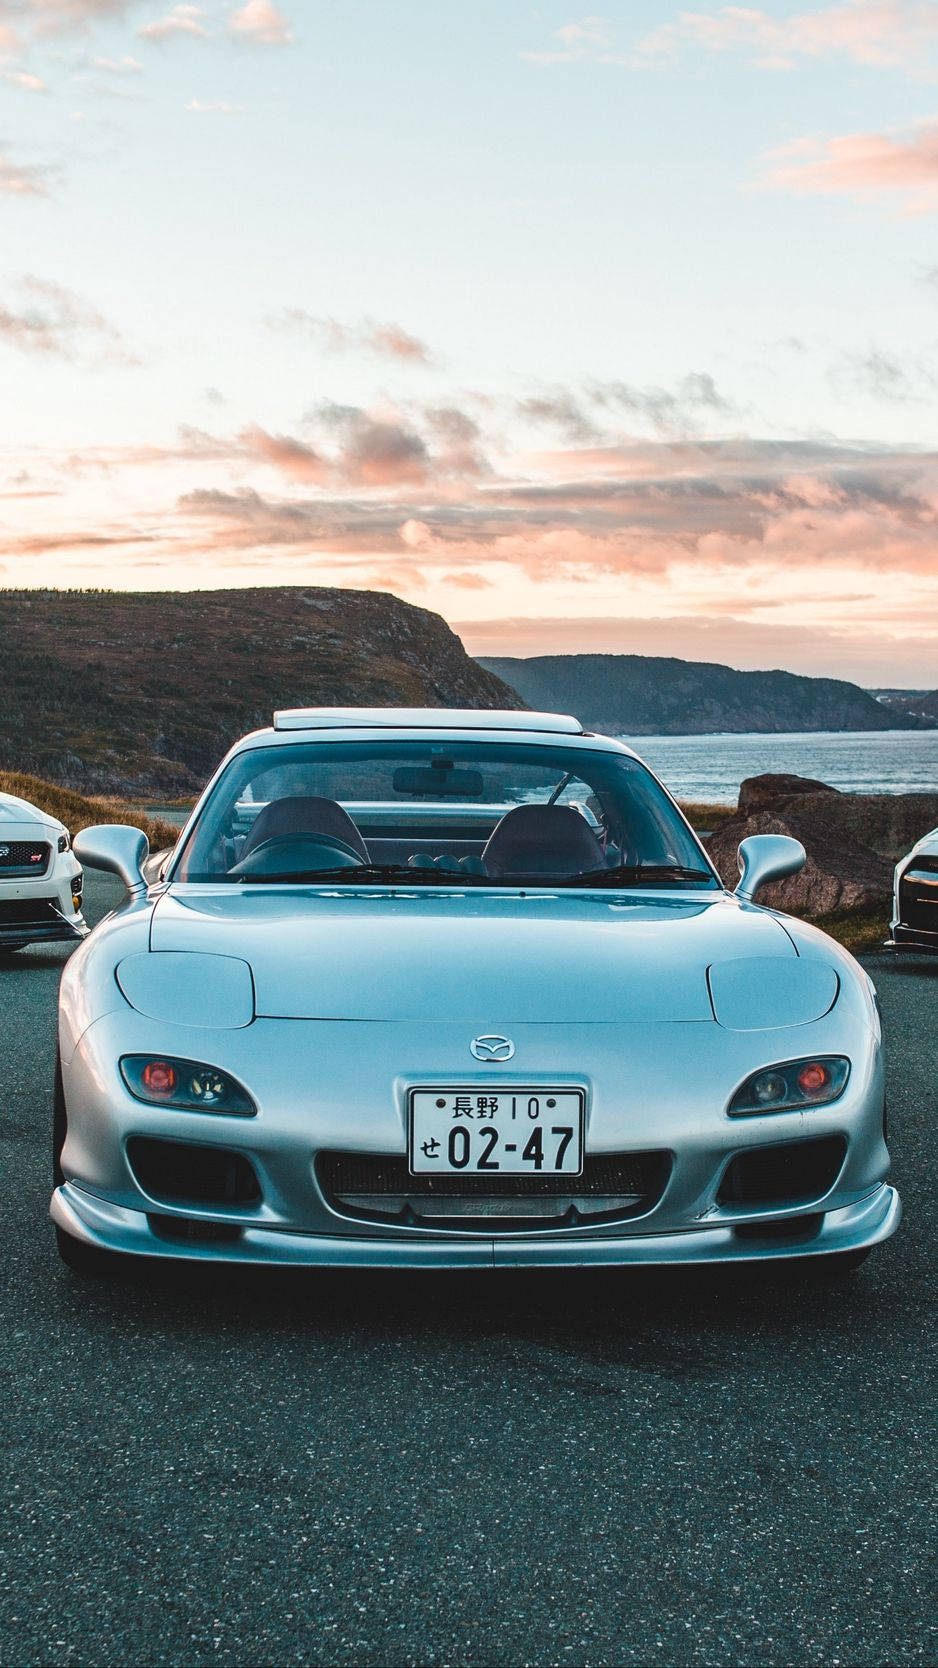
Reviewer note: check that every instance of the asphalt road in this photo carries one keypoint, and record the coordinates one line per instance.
(590, 1468)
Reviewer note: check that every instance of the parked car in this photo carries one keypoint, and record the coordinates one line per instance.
(40, 878)
(915, 898)
(459, 989)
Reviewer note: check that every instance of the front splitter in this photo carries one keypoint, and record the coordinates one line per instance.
(110, 1227)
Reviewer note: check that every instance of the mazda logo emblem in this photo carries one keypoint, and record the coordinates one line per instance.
(492, 1049)
(4, 851)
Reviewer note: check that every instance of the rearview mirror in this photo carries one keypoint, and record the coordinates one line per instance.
(443, 782)
(767, 857)
(116, 848)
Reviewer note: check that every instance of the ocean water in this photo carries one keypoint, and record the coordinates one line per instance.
(710, 768)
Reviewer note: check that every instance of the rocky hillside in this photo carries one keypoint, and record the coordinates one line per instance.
(142, 693)
(641, 695)
(920, 704)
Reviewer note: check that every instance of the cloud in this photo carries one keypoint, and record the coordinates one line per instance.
(260, 22)
(863, 166)
(118, 66)
(52, 17)
(291, 457)
(387, 341)
(182, 20)
(383, 453)
(22, 78)
(884, 376)
(216, 107)
(23, 179)
(590, 38)
(595, 410)
(51, 320)
(875, 33)
(883, 34)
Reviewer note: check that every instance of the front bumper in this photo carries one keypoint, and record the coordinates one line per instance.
(913, 938)
(43, 911)
(109, 1227)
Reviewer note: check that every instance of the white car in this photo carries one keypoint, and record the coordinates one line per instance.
(40, 878)
(915, 897)
(459, 989)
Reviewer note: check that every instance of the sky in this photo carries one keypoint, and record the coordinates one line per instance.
(610, 332)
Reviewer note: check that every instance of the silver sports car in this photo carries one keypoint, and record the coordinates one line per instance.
(459, 989)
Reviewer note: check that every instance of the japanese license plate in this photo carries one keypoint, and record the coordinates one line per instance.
(479, 1132)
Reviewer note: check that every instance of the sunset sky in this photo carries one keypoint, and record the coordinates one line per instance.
(607, 332)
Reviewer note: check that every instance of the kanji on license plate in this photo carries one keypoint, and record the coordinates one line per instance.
(482, 1131)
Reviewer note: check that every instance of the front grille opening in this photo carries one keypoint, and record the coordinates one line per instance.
(380, 1188)
(29, 912)
(788, 1174)
(21, 858)
(918, 899)
(187, 1175)
(180, 1230)
(781, 1228)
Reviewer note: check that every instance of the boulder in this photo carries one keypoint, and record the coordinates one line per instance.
(756, 793)
(888, 824)
(840, 874)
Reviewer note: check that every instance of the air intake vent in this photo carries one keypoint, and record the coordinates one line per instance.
(381, 1188)
(181, 1174)
(788, 1174)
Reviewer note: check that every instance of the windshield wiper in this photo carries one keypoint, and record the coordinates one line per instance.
(635, 874)
(354, 873)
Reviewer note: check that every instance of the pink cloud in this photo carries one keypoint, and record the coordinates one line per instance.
(47, 318)
(879, 33)
(23, 179)
(387, 340)
(294, 460)
(863, 165)
(261, 22)
(182, 20)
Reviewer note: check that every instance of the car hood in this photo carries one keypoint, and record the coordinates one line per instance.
(486, 958)
(21, 820)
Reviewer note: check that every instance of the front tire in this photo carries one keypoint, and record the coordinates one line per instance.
(59, 1123)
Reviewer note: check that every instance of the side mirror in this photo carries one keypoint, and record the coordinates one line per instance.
(118, 849)
(767, 857)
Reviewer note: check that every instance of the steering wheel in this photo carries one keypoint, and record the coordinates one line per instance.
(291, 854)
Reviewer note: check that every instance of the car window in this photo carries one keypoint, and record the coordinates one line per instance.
(488, 812)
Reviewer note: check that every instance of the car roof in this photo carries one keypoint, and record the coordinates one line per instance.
(312, 724)
(424, 718)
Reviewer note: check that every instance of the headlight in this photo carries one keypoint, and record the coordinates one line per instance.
(64, 842)
(184, 1085)
(794, 1086)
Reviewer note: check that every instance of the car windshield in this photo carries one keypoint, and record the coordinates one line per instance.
(430, 812)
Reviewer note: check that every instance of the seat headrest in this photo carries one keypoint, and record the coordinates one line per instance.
(305, 814)
(542, 840)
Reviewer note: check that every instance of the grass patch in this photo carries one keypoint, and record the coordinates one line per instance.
(702, 816)
(856, 932)
(79, 811)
